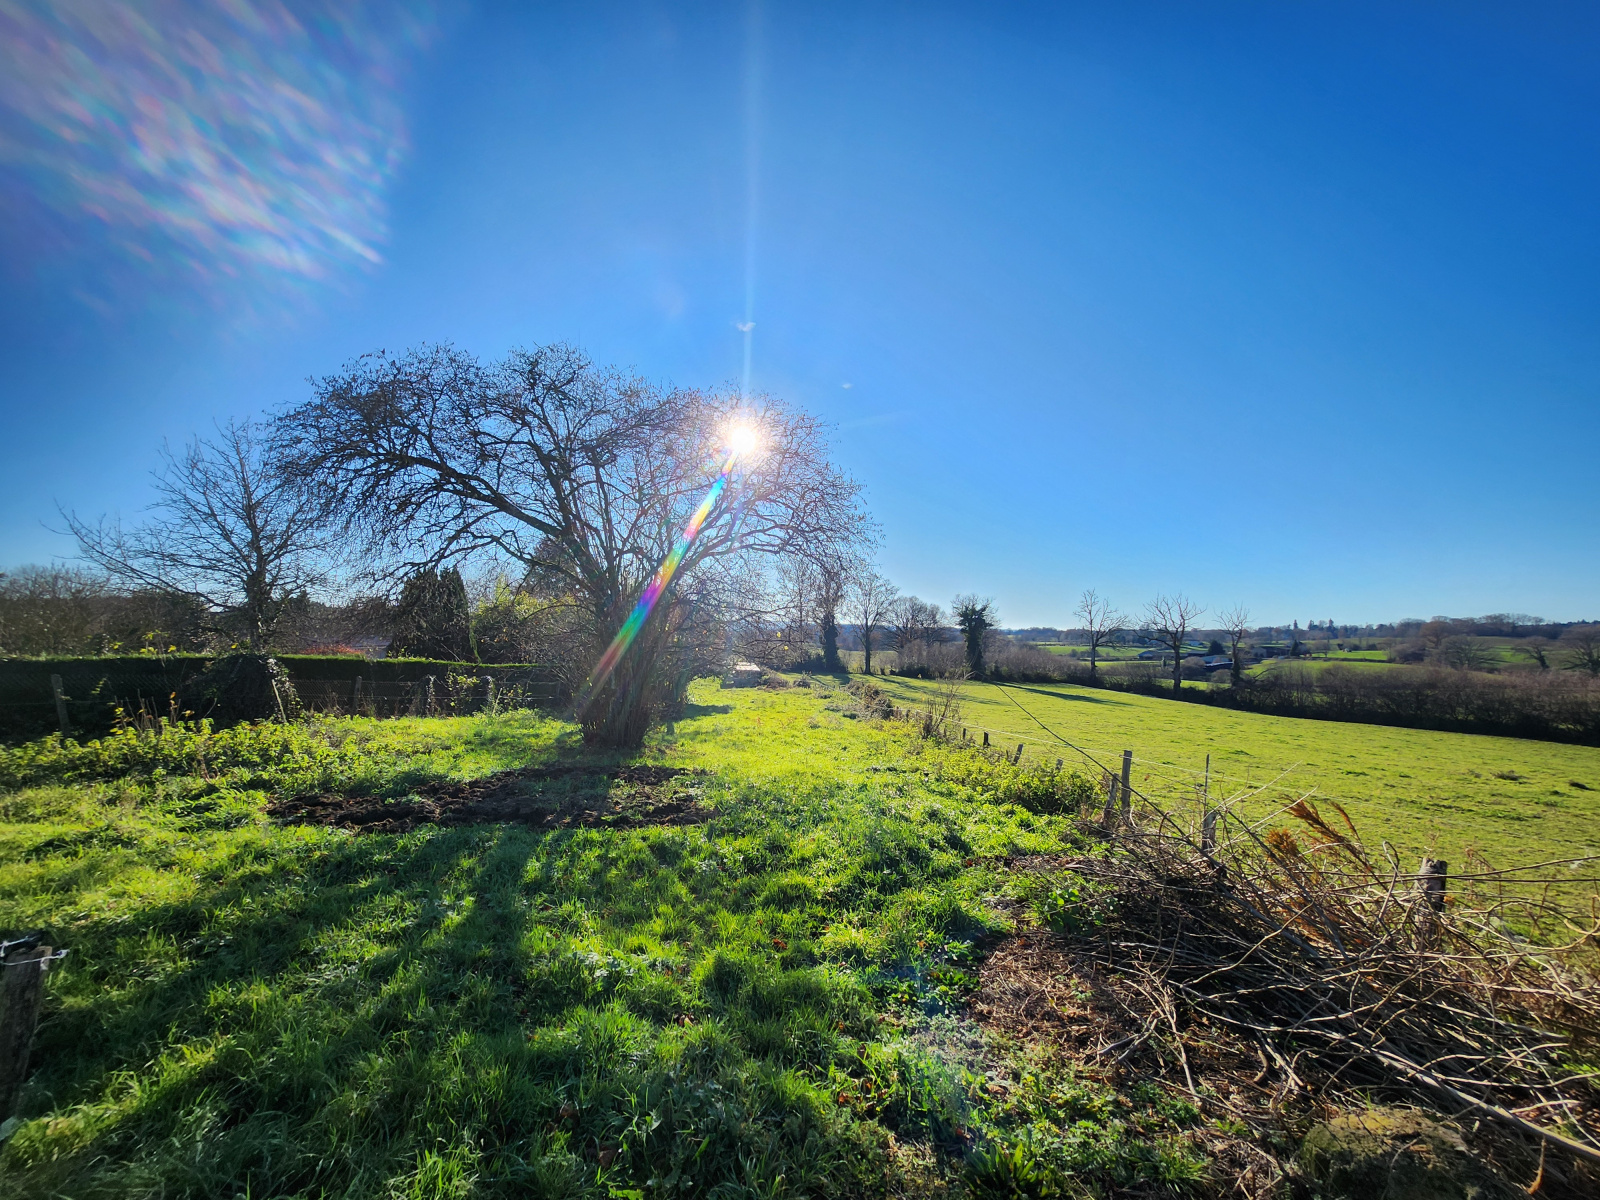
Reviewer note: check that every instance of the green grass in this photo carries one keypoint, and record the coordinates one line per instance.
(1513, 801)
(767, 1004)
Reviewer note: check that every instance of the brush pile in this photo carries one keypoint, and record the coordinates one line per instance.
(1350, 978)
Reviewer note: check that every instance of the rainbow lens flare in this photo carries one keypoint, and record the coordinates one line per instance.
(742, 441)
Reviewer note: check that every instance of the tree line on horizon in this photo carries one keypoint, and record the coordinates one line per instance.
(523, 511)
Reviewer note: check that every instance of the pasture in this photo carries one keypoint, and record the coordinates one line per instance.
(1509, 800)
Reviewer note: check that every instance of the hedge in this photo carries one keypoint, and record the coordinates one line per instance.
(96, 687)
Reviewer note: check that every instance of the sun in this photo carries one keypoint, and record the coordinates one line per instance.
(744, 441)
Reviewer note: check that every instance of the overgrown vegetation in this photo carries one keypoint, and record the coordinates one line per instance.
(1424, 792)
(769, 1001)
(794, 996)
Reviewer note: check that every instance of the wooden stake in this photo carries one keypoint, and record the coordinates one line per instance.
(61, 705)
(355, 703)
(1127, 788)
(1110, 813)
(21, 992)
(1431, 878)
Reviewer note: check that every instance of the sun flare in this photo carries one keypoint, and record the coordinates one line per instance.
(744, 441)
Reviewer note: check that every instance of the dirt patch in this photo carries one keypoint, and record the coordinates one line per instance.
(559, 797)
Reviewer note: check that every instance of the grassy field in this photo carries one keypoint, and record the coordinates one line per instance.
(1512, 801)
(769, 1001)
(765, 1003)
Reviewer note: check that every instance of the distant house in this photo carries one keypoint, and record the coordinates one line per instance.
(1217, 660)
(371, 646)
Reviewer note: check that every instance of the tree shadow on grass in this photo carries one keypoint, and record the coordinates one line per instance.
(253, 1046)
(691, 711)
(1075, 697)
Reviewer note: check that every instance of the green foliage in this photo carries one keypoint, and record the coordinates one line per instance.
(434, 619)
(1037, 785)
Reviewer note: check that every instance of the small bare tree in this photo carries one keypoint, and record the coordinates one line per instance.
(1168, 619)
(1582, 646)
(1236, 624)
(870, 600)
(1101, 623)
(830, 583)
(228, 531)
(912, 622)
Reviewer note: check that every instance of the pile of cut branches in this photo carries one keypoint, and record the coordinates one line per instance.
(1352, 977)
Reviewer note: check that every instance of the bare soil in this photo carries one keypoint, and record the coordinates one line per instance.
(559, 797)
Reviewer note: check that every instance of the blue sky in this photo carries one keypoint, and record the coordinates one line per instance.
(1295, 306)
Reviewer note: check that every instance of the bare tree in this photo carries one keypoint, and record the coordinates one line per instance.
(1538, 649)
(1582, 646)
(870, 600)
(229, 531)
(1101, 623)
(830, 574)
(588, 478)
(974, 616)
(1465, 653)
(1168, 619)
(50, 610)
(1235, 623)
(913, 622)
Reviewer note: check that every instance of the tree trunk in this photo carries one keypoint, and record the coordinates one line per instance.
(866, 649)
(1177, 665)
(1093, 662)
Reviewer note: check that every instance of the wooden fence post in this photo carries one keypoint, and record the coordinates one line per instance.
(985, 739)
(1018, 758)
(1431, 878)
(355, 700)
(61, 705)
(1109, 816)
(1127, 788)
(21, 992)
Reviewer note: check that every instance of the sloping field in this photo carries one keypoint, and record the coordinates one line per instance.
(1510, 800)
